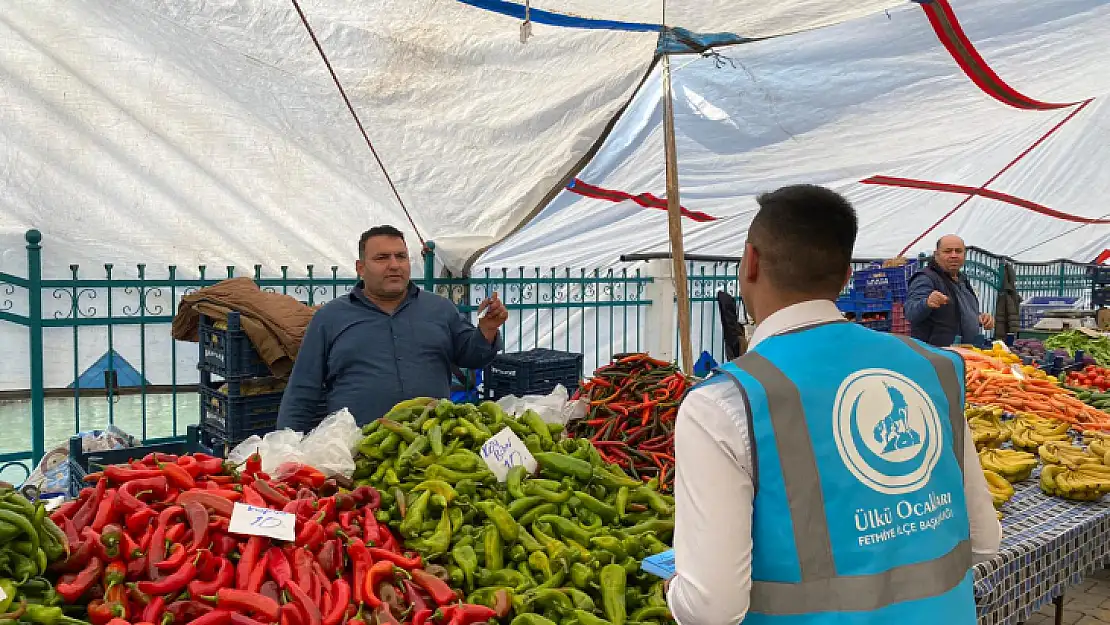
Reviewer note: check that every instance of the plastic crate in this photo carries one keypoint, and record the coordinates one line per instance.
(873, 304)
(898, 322)
(229, 353)
(81, 463)
(879, 325)
(234, 415)
(1100, 295)
(1033, 309)
(1099, 274)
(883, 282)
(534, 372)
(846, 304)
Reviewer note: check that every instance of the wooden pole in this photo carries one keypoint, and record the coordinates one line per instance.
(674, 223)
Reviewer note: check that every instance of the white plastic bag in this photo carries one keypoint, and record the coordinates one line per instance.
(329, 447)
(554, 408)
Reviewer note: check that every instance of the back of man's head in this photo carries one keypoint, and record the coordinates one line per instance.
(804, 235)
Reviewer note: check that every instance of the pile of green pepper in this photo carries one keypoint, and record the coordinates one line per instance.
(562, 547)
(29, 543)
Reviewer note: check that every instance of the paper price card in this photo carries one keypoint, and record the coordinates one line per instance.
(505, 451)
(252, 521)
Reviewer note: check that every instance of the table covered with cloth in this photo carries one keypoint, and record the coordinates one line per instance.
(1048, 544)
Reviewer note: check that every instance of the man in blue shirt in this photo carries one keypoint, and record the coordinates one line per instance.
(384, 342)
(941, 304)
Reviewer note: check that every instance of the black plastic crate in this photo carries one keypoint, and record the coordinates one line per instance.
(229, 409)
(228, 352)
(534, 372)
(1100, 295)
(81, 463)
(1099, 274)
(214, 438)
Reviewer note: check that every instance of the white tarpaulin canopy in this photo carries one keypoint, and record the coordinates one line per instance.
(880, 110)
(186, 131)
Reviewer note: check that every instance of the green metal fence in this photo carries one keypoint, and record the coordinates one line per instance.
(54, 327)
(58, 326)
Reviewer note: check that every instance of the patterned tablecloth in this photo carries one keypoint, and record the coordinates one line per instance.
(1048, 544)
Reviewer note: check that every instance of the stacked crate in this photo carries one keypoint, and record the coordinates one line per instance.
(888, 285)
(534, 372)
(238, 398)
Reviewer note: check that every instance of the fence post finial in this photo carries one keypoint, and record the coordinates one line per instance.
(429, 254)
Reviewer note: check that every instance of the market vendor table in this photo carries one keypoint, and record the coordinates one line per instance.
(1048, 544)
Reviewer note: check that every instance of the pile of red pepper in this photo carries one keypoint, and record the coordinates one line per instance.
(149, 544)
(633, 404)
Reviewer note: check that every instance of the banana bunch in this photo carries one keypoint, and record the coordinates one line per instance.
(1031, 432)
(1086, 482)
(1098, 444)
(987, 428)
(1054, 452)
(1011, 464)
(1000, 489)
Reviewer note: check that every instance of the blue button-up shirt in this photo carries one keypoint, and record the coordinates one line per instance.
(359, 357)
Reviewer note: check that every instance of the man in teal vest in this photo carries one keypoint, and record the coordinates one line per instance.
(828, 475)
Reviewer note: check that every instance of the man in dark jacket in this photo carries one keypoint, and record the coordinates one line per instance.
(941, 304)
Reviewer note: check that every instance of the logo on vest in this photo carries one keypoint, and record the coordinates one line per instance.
(887, 431)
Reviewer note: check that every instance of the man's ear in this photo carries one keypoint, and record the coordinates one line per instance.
(750, 266)
(358, 267)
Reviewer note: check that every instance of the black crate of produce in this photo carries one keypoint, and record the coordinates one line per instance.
(534, 372)
(237, 409)
(226, 350)
(82, 463)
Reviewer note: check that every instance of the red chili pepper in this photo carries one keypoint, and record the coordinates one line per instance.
(290, 615)
(198, 522)
(339, 605)
(420, 616)
(278, 566)
(173, 583)
(223, 545)
(224, 578)
(248, 560)
(110, 538)
(469, 614)
(189, 463)
(396, 558)
(121, 474)
(251, 497)
(115, 574)
(209, 465)
(253, 464)
(186, 611)
(414, 597)
(242, 600)
(440, 592)
(215, 617)
(302, 569)
(243, 619)
(116, 600)
(153, 611)
(118, 621)
(207, 498)
(126, 500)
(305, 603)
(100, 613)
(104, 510)
(388, 542)
(176, 559)
(72, 591)
(360, 565)
(178, 476)
(378, 572)
(330, 557)
(370, 528)
(270, 494)
(311, 535)
(384, 616)
(176, 533)
(258, 575)
(271, 589)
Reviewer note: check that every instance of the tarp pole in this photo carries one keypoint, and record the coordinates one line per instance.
(674, 223)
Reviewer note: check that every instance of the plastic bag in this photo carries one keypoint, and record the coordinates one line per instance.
(51, 476)
(328, 448)
(554, 408)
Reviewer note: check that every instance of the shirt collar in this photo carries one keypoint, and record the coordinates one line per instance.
(796, 316)
(357, 293)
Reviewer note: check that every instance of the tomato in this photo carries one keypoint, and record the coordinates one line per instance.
(1100, 380)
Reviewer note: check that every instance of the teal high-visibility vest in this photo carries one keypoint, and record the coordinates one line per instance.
(859, 513)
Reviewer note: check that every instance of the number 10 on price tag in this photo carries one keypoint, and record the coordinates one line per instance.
(252, 521)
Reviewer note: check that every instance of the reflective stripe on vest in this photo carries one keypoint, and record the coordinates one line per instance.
(820, 588)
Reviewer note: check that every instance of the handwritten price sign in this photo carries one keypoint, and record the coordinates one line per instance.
(252, 521)
(505, 451)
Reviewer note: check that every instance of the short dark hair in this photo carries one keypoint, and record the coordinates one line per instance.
(378, 231)
(805, 235)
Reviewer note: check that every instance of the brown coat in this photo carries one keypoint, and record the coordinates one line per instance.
(1007, 308)
(274, 322)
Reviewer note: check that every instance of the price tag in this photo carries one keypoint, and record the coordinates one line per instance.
(252, 521)
(505, 451)
(3, 595)
(1018, 373)
(660, 564)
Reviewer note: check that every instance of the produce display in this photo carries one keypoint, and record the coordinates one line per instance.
(30, 543)
(1035, 350)
(633, 404)
(150, 543)
(1090, 378)
(1071, 341)
(990, 382)
(563, 546)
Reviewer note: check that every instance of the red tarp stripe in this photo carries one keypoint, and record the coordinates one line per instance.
(647, 200)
